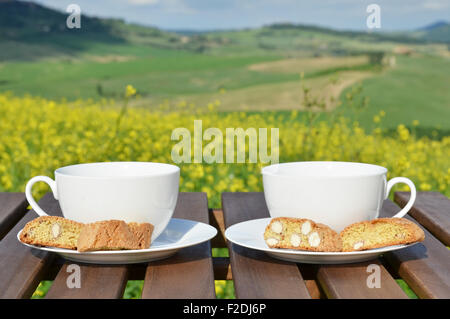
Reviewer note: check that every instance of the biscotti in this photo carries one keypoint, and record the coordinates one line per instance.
(143, 233)
(301, 234)
(113, 235)
(380, 232)
(52, 231)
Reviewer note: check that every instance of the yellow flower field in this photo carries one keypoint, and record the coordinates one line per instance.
(38, 135)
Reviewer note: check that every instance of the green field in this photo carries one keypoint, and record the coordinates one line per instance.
(416, 88)
(164, 76)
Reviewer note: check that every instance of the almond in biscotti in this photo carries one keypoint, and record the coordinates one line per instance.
(306, 228)
(358, 245)
(301, 234)
(296, 240)
(272, 242)
(314, 239)
(276, 227)
(51, 231)
(56, 230)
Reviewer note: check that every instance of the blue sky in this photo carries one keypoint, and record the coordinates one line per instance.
(233, 14)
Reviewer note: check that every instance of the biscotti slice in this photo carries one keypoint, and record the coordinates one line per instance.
(52, 231)
(107, 235)
(143, 233)
(301, 234)
(380, 232)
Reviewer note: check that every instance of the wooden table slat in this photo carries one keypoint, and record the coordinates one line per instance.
(21, 267)
(431, 210)
(97, 282)
(424, 266)
(216, 220)
(188, 274)
(350, 281)
(13, 207)
(255, 274)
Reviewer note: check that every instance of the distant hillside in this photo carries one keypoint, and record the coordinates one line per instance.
(31, 22)
(29, 30)
(360, 35)
(434, 25)
(295, 40)
(435, 32)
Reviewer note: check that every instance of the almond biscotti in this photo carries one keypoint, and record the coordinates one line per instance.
(114, 235)
(301, 234)
(380, 232)
(143, 233)
(51, 231)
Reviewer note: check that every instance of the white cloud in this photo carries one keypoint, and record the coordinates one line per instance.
(435, 5)
(143, 2)
(177, 6)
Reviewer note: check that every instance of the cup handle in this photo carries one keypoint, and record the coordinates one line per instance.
(408, 182)
(29, 196)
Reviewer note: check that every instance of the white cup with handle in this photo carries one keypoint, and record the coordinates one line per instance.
(336, 194)
(130, 191)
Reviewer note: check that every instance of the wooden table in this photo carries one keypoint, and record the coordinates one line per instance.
(191, 272)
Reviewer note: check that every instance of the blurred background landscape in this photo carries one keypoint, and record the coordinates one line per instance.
(405, 73)
(335, 89)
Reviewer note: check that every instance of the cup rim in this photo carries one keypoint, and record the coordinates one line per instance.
(173, 169)
(271, 170)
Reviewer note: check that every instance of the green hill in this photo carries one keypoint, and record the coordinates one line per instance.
(436, 32)
(296, 40)
(29, 31)
(28, 21)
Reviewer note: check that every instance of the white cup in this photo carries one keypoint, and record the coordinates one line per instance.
(130, 191)
(336, 194)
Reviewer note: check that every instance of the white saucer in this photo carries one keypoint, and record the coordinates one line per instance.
(250, 234)
(179, 233)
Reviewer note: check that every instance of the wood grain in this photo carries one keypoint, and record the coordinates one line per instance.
(431, 210)
(424, 266)
(255, 274)
(216, 220)
(21, 267)
(188, 274)
(97, 282)
(13, 207)
(314, 290)
(222, 268)
(351, 281)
